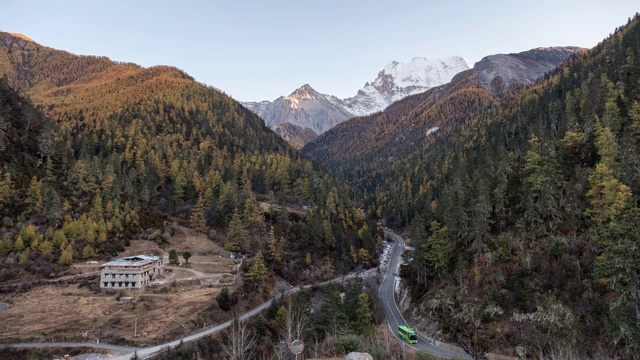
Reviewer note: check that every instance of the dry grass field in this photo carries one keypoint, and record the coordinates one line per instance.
(73, 311)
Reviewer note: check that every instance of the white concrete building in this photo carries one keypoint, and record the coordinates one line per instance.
(132, 272)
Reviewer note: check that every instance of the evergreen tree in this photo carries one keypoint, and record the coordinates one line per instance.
(186, 255)
(258, 271)
(235, 236)
(363, 324)
(440, 248)
(274, 249)
(173, 256)
(224, 300)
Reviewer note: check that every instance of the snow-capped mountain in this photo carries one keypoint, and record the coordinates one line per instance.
(399, 80)
(307, 108)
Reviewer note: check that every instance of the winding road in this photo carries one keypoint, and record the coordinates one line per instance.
(386, 293)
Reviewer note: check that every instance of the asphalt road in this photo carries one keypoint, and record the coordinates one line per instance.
(386, 293)
(148, 351)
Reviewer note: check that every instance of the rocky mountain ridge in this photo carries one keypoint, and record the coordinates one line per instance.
(416, 122)
(307, 108)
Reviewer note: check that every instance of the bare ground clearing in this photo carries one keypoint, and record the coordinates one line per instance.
(73, 311)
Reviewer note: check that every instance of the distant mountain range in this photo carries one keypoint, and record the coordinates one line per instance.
(306, 109)
(371, 143)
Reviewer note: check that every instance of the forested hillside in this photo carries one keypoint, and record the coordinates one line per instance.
(370, 153)
(128, 145)
(525, 223)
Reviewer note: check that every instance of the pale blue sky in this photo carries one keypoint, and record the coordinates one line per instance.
(259, 50)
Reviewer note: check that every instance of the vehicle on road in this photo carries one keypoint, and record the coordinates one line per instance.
(407, 334)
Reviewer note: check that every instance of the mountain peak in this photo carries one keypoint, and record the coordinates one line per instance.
(398, 80)
(18, 35)
(500, 73)
(304, 92)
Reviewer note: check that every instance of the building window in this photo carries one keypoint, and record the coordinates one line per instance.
(106, 284)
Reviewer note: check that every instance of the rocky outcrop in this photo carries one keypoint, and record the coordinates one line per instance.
(304, 107)
(308, 109)
(358, 356)
(399, 80)
(295, 135)
(504, 73)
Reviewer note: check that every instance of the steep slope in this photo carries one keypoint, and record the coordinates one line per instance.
(295, 135)
(304, 107)
(24, 141)
(532, 215)
(361, 149)
(523, 218)
(399, 80)
(132, 143)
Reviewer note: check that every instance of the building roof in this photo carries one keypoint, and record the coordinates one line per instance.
(136, 260)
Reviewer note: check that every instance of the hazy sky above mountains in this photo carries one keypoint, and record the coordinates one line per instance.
(259, 50)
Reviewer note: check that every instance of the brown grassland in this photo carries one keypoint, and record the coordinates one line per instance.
(71, 308)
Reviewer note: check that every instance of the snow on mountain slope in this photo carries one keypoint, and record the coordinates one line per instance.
(399, 80)
(307, 108)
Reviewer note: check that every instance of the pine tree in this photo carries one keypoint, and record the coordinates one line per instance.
(6, 186)
(88, 252)
(6, 244)
(67, 255)
(186, 255)
(440, 247)
(34, 192)
(224, 300)
(332, 319)
(363, 256)
(24, 256)
(173, 256)
(353, 254)
(235, 236)
(363, 325)
(274, 250)
(619, 268)
(307, 260)
(197, 221)
(258, 271)
(253, 216)
(18, 245)
(607, 194)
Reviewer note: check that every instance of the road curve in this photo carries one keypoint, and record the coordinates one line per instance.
(148, 351)
(386, 294)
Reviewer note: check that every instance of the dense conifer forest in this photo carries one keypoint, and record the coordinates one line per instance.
(523, 213)
(115, 148)
(521, 209)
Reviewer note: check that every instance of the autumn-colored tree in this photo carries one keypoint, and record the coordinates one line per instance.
(235, 236)
(18, 245)
(274, 250)
(197, 220)
(307, 260)
(258, 271)
(87, 252)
